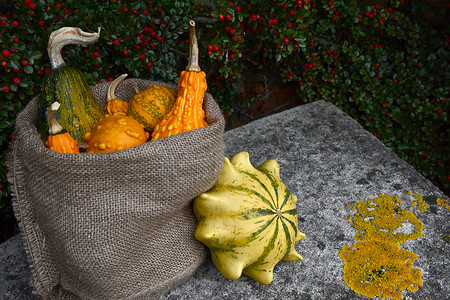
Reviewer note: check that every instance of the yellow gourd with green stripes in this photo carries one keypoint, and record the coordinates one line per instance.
(248, 220)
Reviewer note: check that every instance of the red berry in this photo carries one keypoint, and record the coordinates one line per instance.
(425, 154)
(5, 88)
(58, 5)
(286, 40)
(439, 111)
(374, 134)
(149, 64)
(209, 47)
(141, 56)
(228, 17)
(377, 65)
(238, 8)
(24, 62)
(395, 81)
(125, 52)
(387, 114)
(16, 80)
(6, 53)
(4, 63)
(95, 54)
(41, 23)
(383, 105)
(221, 17)
(216, 48)
(116, 42)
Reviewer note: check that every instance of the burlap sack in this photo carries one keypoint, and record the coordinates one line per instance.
(118, 225)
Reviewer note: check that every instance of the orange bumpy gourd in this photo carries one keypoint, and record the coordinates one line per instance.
(114, 133)
(187, 113)
(59, 139)
(114, 104)
(151, 105)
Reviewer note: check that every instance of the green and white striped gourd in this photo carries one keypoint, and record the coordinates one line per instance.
(248, 220)
(67, 85)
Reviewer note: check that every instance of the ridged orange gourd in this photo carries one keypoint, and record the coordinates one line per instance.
(187, 113)
(114, 104)
(59, 140)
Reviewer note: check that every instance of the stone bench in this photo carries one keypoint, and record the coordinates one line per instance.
(329, 162)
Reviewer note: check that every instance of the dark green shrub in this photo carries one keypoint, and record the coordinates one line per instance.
(383, 65)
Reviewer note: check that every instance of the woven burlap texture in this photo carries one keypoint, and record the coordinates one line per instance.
(117, 225)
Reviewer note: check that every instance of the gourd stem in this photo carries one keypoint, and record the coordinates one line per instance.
(193, 49)
(112, 87)
(65, 36)
(136, 89)
(53, 124)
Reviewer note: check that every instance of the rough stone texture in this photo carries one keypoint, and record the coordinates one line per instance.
(329, 162)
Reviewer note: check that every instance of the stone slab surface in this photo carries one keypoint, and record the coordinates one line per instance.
(329, 162)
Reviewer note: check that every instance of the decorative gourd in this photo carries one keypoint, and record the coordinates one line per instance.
(67, 85)
(59, 139)
(151, 105)
(187, 113)
(114, 133)
(113, 104)
(248, 220)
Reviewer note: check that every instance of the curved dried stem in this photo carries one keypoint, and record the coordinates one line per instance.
(65, 36)
(112, 87)
(53, 125)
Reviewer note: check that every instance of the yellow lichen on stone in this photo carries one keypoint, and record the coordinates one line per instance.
(380, 269)
(419, 203)
(443, 203)
(375, 266)
(381, 217)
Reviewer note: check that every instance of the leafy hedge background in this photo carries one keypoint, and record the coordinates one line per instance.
(385, 63)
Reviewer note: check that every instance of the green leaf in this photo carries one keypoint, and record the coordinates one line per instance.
(14, 64)
(28, 69)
